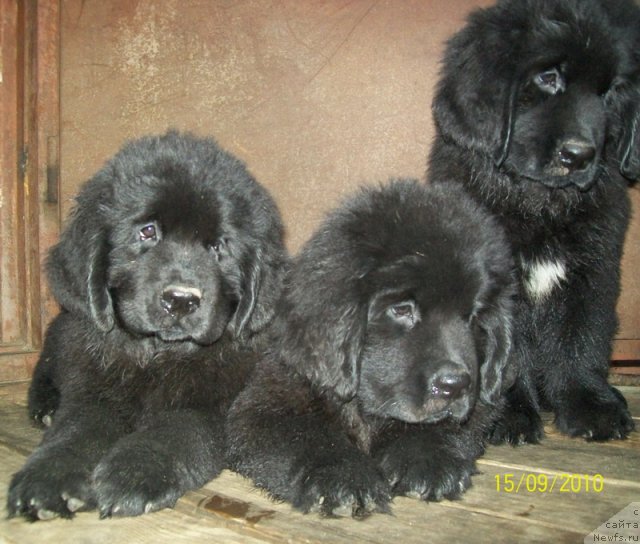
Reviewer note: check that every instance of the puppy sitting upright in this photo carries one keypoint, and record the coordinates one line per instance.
(537, 115)
(388, 352)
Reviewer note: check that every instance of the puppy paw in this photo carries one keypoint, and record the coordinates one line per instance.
(43, 403)
(431, 474)
(49, 489)
(42, 409)
(129, 482)
(343, 489)
(517, 426)
(588, 417)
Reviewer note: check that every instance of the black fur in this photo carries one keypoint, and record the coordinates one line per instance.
(167, 273)
(401, 293)
(537, 115)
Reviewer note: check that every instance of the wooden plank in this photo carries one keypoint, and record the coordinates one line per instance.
(47, 168)
(266, 521)
(632, 394)
(15, 392)
(157, 528)
(412, 521)
(15, 431)
(626, 349)
(230, 509)
(613, 460)
(12, 278)
(16, 366)
(544, 499)
(632, 369)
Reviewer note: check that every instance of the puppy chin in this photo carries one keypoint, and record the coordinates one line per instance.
(173, 335)
(177, 334)
(433, 411)
(583, 181)
(557, 177)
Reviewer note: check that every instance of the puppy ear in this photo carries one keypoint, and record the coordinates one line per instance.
(333, 348)
(262, 274)
(77, 265)
(475, 98)
(630, 140)
(495, 332)
(508, 118)
(100, 302)
(323, 328)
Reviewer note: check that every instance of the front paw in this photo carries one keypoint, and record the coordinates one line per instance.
(43, 403)
(48, 489)
(587, 416)
(345, 488)
(426, 473)
(517, 426)
(132, 481)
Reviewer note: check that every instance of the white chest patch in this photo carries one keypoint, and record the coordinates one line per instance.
(541, 277)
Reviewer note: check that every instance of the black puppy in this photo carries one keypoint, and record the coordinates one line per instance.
(166, 273)
(388, 352)
(537, 115)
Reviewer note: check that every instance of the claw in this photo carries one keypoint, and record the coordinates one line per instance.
(344, 510)
(45, 515)
(393, 479)
(74, 504)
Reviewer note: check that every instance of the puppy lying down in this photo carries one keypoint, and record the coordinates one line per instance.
(166, 273)
(388, 355)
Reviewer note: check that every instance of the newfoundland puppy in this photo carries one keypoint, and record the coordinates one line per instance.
(388, 353)
(166, 274)
(537, 115)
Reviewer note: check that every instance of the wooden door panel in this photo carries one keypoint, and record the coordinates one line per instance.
(29, 217)
(12, 325)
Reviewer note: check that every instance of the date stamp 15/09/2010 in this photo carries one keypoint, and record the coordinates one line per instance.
(549, 483)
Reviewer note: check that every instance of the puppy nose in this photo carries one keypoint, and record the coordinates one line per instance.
(450, 382)
(178, 300)
(576, 155)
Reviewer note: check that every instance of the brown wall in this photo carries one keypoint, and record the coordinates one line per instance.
(317, 97)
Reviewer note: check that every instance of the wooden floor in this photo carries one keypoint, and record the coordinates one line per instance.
(229, 510)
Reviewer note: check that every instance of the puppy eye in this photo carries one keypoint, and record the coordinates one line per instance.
(148, 232)
(219, 246)
(402, 310)
(550, 81)
(405, 313)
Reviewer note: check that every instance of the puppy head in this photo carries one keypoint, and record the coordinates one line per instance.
(172, 271)
(171, 239)
(419, 360)
(538, 87)
(403, 300)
